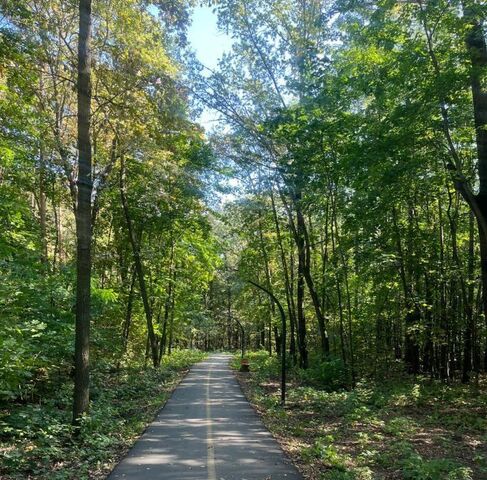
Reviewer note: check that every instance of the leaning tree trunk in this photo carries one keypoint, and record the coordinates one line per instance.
(301, 237)
(83, 218)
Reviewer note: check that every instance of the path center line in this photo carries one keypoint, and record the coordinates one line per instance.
(210, 456)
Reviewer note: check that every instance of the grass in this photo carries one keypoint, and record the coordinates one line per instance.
(36, 439)
(408, 428)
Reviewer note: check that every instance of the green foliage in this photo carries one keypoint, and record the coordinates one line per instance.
(36, 438)
(329, 375)
(414, 467)
(375, 430)
(36, 312)
(324, 450)
(325, 375)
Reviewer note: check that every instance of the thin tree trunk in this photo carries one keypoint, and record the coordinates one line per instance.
(302, 347)
(138, 267)
(42, 204)
(167, 305)
(128, 316)
(348, 297)
(303, 350)
(287, 283)
(267, 272)
(468, 346)
(57, 242)
(83, 217)
(171, 318)
(443, 360)
(302, 230)
(229, 316)
(339, 290)
(411, 353)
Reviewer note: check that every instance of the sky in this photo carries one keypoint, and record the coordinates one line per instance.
(209, 45)
(205, 38)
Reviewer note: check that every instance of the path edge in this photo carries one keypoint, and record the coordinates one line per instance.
(239, 378)
(123, 453)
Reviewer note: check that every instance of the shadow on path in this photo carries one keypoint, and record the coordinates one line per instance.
(207, 430)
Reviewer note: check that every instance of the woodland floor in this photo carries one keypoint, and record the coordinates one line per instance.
(400, 429)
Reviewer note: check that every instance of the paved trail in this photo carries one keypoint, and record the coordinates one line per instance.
(206, 431)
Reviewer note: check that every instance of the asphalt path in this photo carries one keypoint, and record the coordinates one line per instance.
(206, 431)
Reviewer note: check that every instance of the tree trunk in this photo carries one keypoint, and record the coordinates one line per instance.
(139, 268)
(42, 204)
(267, 271)
(304, 243)
(477, 50)
(301, 319)
(171, 318)
(287, 282)
(277, 338)
(339, 291)
(128, 314)
(302, 347)
(468, 344)
(83, 217)
(167, 305)
(229, 317)
(411, 348)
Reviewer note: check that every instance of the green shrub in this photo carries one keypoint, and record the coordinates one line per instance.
(329, 375)
(415, 467)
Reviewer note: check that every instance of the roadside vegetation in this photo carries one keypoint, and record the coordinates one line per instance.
(401, 427)
(36, 436)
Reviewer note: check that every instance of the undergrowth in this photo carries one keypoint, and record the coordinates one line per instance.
(36, 439)
(405, 428)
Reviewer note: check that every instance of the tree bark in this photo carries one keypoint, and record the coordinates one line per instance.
(301, 237)
(468, 345)
(167, 304)
(42, 204)
(411, 348)
(83, 217)
(171, 317)
(265, 257)
(477, 50)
